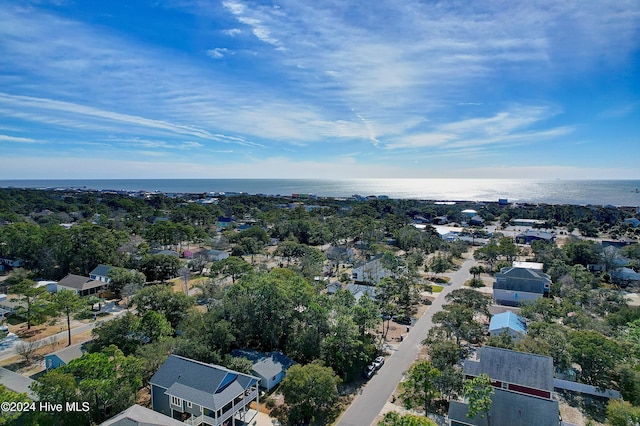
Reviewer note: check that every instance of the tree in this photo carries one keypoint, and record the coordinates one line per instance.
(58, 386)
(479, 392)
(470, 298)
(445, 353)
(160, 267)
(458, 321)
(67, 302)
(6, 395)
(27, 349)
(233, 266)
(108, 380)
(392, 418)
(121, 277)
(596, 355)
(34, 306)
(342, 348)
(310, 392)
(622, 413)
(120, 332)
(438, 264)
(420, 387)
(476, 270)
(366, 314)
(160, 298)
(154, 326)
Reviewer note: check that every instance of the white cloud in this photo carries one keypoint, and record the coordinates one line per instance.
(16, 139)
(232, 32)
(217, 53)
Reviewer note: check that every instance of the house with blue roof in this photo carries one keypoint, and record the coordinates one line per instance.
(198, 393)
(508, 322)
(269, 367)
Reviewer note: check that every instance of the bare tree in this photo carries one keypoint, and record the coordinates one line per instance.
(185, 274)
(27, 350)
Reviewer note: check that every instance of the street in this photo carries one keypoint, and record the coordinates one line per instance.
(366, 407)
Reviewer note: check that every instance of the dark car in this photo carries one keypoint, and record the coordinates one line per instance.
(403, 320)
(369, 371)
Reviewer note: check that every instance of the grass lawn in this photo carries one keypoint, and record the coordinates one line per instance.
(436, 288)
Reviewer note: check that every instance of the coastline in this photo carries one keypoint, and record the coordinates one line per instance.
(574, 192)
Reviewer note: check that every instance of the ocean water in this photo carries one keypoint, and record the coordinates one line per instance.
(579, 192)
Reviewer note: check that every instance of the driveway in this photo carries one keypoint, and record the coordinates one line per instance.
(365, 408)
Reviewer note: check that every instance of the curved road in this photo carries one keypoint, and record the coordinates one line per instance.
(366, 407)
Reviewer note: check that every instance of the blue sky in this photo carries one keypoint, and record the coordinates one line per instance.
(328, 88)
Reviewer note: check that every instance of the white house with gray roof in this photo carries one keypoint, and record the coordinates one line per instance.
(198, 393)
(370, 272)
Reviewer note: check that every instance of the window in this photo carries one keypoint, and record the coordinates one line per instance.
(176, 401)
(189, 404)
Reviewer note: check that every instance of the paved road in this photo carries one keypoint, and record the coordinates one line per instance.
(63, 336)
(366, 407)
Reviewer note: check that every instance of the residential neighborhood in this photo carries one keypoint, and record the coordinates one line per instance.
(231, 314)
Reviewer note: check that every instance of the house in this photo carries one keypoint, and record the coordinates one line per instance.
(632, 221)
(508, 322)
(166, 252)
(17, 383)
(63, 356)
(527, 222)
(334, 287)
(269, 367)
(468, 213)
(200, 393)
(513, 286)
(224, 222)
(523, 389)
(83, 286)
(137, 415)
(10, 263)
(531, 235)
(370, 272)
(626, 276)
(529, 265)
(440, 220)
(359, 290)
(101, 273)
(476, 220)
(215, 255)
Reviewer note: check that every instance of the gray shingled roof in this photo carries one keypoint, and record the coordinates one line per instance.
(79, 282)
(510, 408)
(102, 270)
(137, 415)
(521, 279)
(522, 368)
(207, 385)
(265, 364)
(17, 382)
(69, 353)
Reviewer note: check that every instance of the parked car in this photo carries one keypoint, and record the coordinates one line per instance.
(378, 362)
(403, 320)
(369, 371)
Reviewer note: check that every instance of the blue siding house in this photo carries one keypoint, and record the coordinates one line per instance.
(198, 393)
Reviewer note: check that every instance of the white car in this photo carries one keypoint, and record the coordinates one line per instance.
(378, 362)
